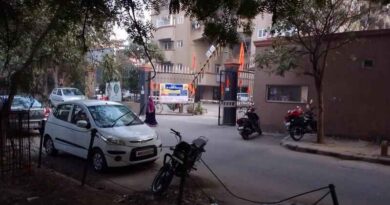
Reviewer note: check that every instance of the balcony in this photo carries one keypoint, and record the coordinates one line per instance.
(196, 30)
(209, 79)
(169, 55)
(166, 32)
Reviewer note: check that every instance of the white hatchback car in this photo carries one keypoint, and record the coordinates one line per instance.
(122, 139)
(59, 95)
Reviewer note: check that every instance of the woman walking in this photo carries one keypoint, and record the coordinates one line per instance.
(150, 118)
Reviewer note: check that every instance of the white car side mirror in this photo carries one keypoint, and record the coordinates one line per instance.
(83, 124)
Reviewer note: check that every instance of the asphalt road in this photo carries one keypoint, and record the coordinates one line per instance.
(258, 169)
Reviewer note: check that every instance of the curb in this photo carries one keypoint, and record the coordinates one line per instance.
(311, 150)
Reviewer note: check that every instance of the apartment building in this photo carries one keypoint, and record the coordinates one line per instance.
(187, 52)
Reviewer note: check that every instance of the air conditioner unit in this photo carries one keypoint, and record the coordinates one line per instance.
(196, 25)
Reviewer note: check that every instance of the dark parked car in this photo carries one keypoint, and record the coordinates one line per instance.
(21, 105)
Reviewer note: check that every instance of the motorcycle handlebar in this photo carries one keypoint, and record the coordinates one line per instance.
(176, 133)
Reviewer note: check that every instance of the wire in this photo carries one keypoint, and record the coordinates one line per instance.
(259, 202)
(327, 193)
(211, 200)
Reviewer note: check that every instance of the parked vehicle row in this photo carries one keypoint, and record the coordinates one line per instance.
(36, 111)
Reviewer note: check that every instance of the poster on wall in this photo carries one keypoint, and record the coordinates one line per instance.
(173, 93)
(113, 91)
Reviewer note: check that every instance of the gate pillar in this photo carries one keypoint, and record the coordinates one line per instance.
(230, 96)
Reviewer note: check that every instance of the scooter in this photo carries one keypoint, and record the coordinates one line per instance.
(299, 122)
(248, 125)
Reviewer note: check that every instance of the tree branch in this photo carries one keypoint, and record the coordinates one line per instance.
(141, 32)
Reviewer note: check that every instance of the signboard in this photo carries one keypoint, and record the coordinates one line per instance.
(173, 93)
(113, 91)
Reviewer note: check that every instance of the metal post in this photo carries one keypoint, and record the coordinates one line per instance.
(333, 194)
(220, 97)
(144, 85)
(41, 131)
(93, 134)
(182, 180)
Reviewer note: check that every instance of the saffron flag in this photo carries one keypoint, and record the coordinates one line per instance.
(241, 59)
(193, 62)
(227, 83)
(191, 89)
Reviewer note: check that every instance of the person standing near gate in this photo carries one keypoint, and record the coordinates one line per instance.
(150, 118)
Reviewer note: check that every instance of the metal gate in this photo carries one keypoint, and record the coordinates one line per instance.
(243, 91)
(172, 74)
(15, 144)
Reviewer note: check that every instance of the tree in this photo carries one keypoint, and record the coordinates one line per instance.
(110, 69)
(312, 25)
(25, 27)
(136, 51)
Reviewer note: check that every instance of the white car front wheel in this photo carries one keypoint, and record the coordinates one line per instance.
(49, 146)
(99, 161)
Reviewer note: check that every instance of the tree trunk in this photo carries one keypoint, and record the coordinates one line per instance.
(55, 75)
(45, 86)
(320, 100)
(5, 111)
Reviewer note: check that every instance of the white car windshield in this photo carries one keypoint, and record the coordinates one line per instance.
(113, 115)
(71, 92)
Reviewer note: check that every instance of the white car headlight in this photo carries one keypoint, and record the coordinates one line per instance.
(112, 140)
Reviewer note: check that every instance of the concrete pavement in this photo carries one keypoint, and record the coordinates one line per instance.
(341, 148)
(258, 169)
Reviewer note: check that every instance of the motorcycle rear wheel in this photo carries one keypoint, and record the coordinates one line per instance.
(163, 179)
(296, 133)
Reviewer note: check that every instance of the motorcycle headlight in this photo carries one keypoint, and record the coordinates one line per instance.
(112, 140)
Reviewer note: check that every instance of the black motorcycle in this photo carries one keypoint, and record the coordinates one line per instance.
(248, 125)
(299, 122)
(179, 163)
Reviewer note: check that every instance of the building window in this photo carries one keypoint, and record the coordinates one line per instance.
(195, 25)
(287, 93)
(262, 33)
(216, 68)
(163, 21)
(180, 20)
(167, 45)
(179, 44)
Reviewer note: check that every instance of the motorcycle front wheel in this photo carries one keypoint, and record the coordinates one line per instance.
(163, 179)
(244, 135)
(296, 133)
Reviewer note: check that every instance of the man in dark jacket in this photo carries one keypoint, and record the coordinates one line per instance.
(254, 120)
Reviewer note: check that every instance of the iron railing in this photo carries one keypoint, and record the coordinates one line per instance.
(15, 144)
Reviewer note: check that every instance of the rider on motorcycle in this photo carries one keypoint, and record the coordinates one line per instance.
(254, 119)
